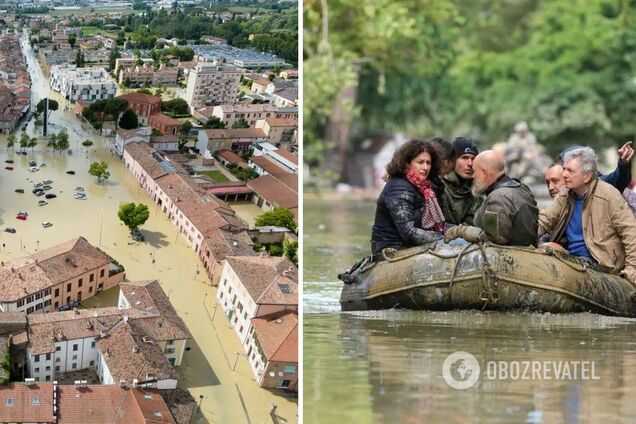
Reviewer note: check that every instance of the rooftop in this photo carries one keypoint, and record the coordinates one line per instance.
(140, 98)
(277, 335)
(233, 133)
(269, 280)
(20, 403)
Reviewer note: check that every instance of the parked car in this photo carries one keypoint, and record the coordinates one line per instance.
(70, 172)
(22, 152)
(39, 193)
(21, 217)
(47, 224)
(10, 230)
(10, 168)
(50, 196)
(19, 190)
(32, 163)
(42, 202)
(22, 213)
(42, 164)
(80, 196)
(34, 169)
(46, 187)
(79, 188)
(24, 127)
(47, 182)
(8, 161)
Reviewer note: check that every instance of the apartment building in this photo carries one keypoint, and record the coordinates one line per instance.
(55, 277)
(82, 84)
(212, 83)
(230, 113)
(143, 105)
(235, 139)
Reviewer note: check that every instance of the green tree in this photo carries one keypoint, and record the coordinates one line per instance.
(133, 215)
(114, 55)
(24, 140)
(145, 91)
(176, 106)
(241, 123)
(279, 217)
(128, 120)
(11, 141)
(87, 143)
(52, 143)
(185, 128)
(183, 140)
(214, 122)
(33, 142)
(80, 60)
(53, 105)
(99, 170)
(71, 40)
(62, 141)
(290, 250)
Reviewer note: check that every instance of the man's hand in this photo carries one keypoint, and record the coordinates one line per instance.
(468, 233)
(629, 274)
(626, 153)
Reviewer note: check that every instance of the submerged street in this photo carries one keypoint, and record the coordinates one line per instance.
(227, 396)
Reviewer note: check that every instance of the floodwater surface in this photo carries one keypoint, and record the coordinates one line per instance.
(386, 366)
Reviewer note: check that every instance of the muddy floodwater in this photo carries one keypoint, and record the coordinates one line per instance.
(228, 396)
(386, 366)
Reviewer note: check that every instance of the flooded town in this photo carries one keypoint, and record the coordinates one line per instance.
(148, 219)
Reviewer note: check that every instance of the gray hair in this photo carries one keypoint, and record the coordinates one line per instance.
(585, 156)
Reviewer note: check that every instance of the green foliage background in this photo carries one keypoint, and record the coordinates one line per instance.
(471, 67)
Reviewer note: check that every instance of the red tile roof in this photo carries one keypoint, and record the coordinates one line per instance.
(232, 133)
(140, 98)
(25, 408)
(268, 166)
(265, 278)
(277, 335)
(162, 119)
(230, 156)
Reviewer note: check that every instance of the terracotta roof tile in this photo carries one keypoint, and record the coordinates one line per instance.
(277, 335)
(25, 408)
(140, 98)
(268, 280)
(222, 243)
(230, 156)
(267, 165)
(277, 190)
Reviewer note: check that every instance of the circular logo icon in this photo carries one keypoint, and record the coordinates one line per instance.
(461, 370)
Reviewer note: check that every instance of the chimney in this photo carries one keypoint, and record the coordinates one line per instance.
(84, 384)
(29, 382)
(135, 349)
(123, 384)
(78, 383)
(135, 382)
(102, 333)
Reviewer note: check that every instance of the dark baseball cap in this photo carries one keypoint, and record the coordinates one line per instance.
(463, 145)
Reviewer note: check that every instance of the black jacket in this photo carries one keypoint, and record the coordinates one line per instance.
(398, 218)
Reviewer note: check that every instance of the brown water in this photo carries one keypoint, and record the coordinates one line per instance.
(229, 396)
(386, 366)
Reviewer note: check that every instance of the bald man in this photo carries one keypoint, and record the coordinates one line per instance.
(509, 213)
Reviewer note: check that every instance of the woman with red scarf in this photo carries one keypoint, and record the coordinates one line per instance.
(408, 212)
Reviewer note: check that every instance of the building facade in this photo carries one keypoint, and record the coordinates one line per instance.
(211, 83)
(82, 84)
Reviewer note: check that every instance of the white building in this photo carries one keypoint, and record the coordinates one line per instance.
(212, 83)
(281, 157)
(82, 83)
(137, 135)
(252, 286)
(141, 340)
(230, 113)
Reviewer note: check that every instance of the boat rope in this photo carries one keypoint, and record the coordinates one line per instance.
(489, 291)
(452, 279)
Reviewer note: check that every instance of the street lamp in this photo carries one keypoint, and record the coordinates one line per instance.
(238, 355)
(201, 397)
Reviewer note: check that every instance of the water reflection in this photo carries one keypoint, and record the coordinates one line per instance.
(386, 366)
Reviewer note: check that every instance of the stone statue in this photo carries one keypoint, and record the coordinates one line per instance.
(525, 158)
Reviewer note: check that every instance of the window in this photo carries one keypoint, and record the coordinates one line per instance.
(241, 330)
(37, 369)
(80, 282)
(169, 350)
(38, 295)
(58, 348)
(57, 293)
(36, 358)
(47, 292)
(68, 299)
(289, 369)
(38, 306)
(57, 360)
(74, 366)
(48, 368)
(57, 305)
(90, 289)
(48, 356)
(91, 363)
(37, 379)
(68, 287)
(20, 303)
(29, 299)
(93, 344)
(284, 288)
(91, 278)
(57, 368)
(9, 401)
(245, 315)
(170, 342)
(47, 378)
(101, 273)
(75, 346)
(74, 357)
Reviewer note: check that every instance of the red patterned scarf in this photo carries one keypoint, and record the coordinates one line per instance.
(432, 218)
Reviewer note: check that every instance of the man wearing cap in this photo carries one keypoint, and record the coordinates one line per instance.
(508, 215)
(459, 205)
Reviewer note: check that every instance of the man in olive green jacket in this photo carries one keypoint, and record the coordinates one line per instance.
(459, 205)
(590, 218)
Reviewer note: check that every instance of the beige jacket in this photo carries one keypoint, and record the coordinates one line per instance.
(609, 226)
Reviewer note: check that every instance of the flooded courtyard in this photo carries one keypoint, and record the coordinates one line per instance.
(386, 366)
(227, 396)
